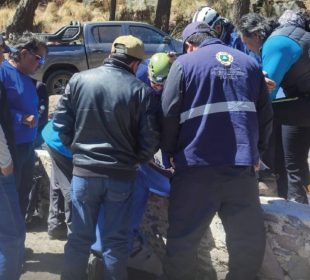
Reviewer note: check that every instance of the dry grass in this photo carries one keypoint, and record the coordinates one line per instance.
(55, 14)
(52, 16)
(6, 14)
(186, 9)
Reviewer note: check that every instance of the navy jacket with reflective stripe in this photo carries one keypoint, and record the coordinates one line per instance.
(213, 106)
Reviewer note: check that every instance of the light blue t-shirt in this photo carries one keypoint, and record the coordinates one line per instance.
(52, 139)
(279, 53)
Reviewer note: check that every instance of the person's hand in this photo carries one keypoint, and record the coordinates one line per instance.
(29, 120)
(172, 162)
(271, 84)
(257, 167)
(6, 171)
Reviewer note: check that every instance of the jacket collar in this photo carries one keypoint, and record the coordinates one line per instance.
(117, 63)
(210, 41)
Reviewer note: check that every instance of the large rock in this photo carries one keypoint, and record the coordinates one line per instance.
(287, 254)
(288, 231)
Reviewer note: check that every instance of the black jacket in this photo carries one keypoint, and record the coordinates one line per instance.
(108, 118)
(6, 122)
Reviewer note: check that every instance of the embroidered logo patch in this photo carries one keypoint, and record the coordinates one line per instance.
(224, 58)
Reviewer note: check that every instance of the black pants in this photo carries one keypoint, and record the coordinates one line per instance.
(196, 195)
(24, 168)
(294, 115)
(296, 143)
(273, 157)
(60, 197)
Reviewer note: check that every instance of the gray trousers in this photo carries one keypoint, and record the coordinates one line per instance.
(60, 197)
(196, 195)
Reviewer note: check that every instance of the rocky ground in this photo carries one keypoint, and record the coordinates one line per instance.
(46, 260)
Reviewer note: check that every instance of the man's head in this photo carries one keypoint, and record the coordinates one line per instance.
(29, 52)
(254, 29)
(129, 50)
(211, 17)
(158, 70)
(194, 34)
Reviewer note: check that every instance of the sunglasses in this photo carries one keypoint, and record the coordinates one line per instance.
(40, 59)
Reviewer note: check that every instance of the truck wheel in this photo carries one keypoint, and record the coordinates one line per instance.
(57, 81)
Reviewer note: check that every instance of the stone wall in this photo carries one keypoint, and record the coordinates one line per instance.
(287, 254)
(288, 231)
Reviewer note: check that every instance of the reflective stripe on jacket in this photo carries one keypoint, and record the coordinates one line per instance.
(216, 108)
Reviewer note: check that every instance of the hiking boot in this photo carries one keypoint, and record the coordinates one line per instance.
(57, 233)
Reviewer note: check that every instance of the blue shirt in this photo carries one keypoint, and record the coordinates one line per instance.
(22, 100)
(279, 53)
(235, 42)
(142, 72)
(51, 138)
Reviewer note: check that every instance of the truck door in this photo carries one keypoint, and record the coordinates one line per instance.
(153, 40)
(100, 43)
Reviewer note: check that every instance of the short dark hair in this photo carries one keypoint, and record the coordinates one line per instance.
(253, 22)
(124, 58)
(197, 38)
(28, 41)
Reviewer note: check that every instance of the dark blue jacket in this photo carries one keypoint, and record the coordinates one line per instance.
(216, 108)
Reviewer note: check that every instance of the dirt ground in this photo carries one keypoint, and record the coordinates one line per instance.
(46, 261)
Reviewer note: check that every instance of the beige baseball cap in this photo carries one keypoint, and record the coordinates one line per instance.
(128, 45)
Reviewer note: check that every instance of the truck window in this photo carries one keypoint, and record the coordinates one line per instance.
(147, 35)
(106, 34)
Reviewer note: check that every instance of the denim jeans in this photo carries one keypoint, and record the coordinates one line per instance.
(147, 180)
(114, 197)
(12, 230)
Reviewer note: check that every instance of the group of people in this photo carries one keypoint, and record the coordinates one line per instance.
(210, 111)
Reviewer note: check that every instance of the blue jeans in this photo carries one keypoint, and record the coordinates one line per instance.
(12, 230)
(147, 180)
(114, 197)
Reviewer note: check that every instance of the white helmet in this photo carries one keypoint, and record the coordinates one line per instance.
(208, 15)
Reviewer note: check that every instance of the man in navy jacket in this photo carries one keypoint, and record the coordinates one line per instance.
(217, 118)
